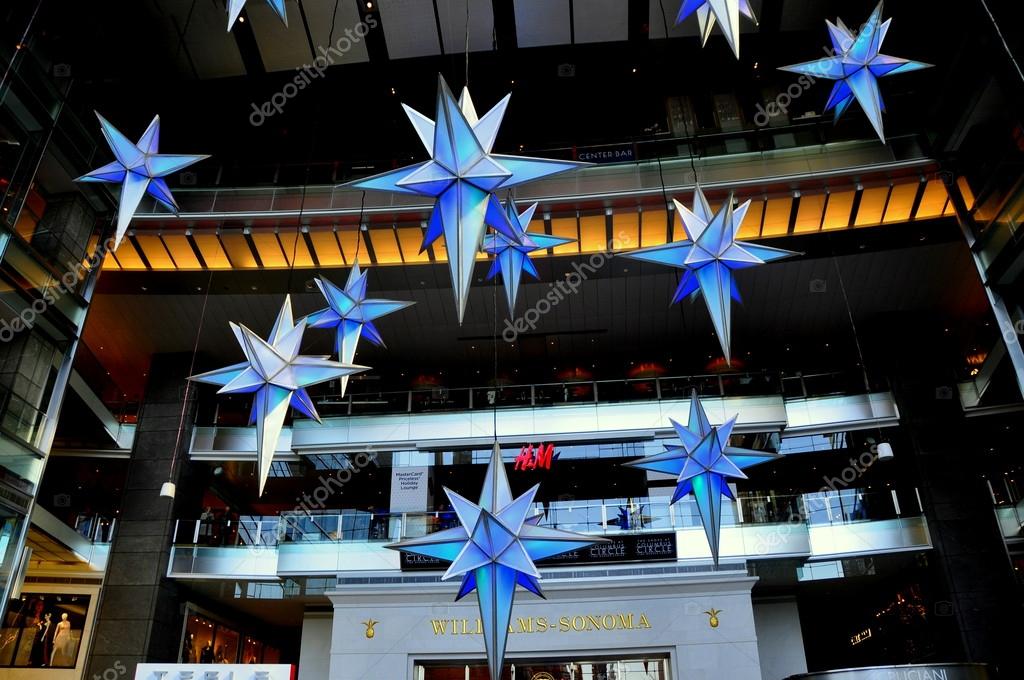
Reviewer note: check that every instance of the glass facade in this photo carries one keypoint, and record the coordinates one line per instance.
(649, 668)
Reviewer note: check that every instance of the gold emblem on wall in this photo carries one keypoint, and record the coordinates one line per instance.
(370, 632)
(713, 617)
(543, 675)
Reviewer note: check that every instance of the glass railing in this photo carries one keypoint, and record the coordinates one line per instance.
(439, 399)
(599, 517)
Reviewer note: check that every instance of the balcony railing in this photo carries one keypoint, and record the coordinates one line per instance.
(597, 517)
(442, 399)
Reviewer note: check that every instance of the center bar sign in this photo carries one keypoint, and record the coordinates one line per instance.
(623, 548)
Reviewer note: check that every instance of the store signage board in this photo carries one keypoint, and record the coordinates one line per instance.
(622, 548)
(201, 671)
(409, 489)
(611, 153)
(536, 457)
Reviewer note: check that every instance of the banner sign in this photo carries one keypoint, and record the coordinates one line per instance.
(536, 458)
(213, 671)
(409, 489)
(618, 153)
(621, 548)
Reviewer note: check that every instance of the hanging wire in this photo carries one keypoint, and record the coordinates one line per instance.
(188, 383)
(853, 323)
(999, 32)
(467, 43)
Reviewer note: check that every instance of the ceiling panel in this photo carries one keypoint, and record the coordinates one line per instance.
(542, 22)
(410, 28)
(452, 14)
(600, 20)
(321, 13)
(212, 49)
(282, 48)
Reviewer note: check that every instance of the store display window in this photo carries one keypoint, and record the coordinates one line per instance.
(43, 630)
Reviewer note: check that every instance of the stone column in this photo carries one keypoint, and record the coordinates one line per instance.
(141, 616)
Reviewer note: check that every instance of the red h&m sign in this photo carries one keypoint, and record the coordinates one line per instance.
(536, 458)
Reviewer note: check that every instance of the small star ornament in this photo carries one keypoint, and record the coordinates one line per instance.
(235, 8)
(463, 176)
(856, 65)
(724, 12)
(139, 169)
(278, 376)
(703, 464)
(494, 550)
(512, 255)
(351, 314)
(709, 255)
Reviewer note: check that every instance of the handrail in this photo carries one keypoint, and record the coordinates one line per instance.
(642, 514)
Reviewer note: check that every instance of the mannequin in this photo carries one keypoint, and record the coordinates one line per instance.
(41, 643)
(63, 644)
(206, 653)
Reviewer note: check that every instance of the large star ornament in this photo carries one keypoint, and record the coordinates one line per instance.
(702, 465)
(725, 12)
(235, 8)
(278, 375)
(512, 255)
(351, 314)
(139, 169)
(494, 551)
(709, 255)
(856, 66)
(463, 177)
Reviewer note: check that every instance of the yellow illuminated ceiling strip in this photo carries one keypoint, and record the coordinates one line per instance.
(767, 217)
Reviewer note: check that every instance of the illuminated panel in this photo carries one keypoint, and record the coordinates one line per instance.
(269, 249)
(934, 200)
(181, 251)
(126, 256)
(328, 253)
(440, 252)
(776, 216)
(411, 238)
(293, 243)
(809, 215)
(109, 261)
(352, 246)
(901, 202)
(872, 203)
(592, 234)
(385, 246)
(626, 230)
(965, 189)
(156, 254)
(565, 227)
(212, 252)
(837, 213)
(751, 227)
(238, 250)
(653, 227)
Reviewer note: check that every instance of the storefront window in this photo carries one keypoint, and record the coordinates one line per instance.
(43, 630)
(604, 669)
(252, 652)
(225, 645)
(198, 645)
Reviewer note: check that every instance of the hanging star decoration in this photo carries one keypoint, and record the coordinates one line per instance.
(512, 255)
(351, 314)
(702, 465)
(856, 66)
(463, 176)
(494, 550)
(235, 8)
(139, 169)
(709, 255)
(725, 12)
(278, 375)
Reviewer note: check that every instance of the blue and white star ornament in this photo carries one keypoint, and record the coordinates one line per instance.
(139, 169)
(702, 464)
(351, 314)
(726, 13)
(512, 255)
(708, 256)
(278, 376)
(856, 65)
(462, 178)
(494, 550)
(235, 8)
